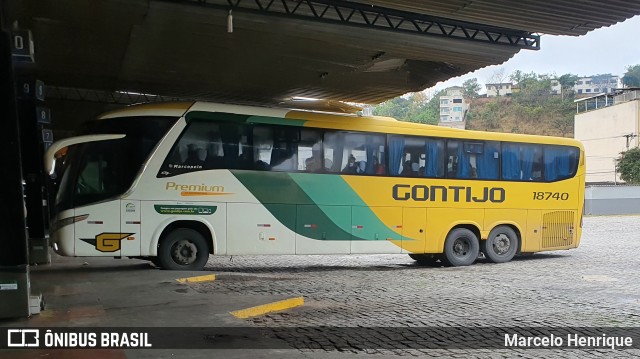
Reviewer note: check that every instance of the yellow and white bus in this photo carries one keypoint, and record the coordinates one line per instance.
(174, 183)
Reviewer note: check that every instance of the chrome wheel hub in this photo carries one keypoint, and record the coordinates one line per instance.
(501, 244)
(184, 252)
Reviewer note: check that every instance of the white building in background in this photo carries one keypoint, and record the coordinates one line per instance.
(453, 108)
(556, 87)
(501, 89)
(593, 85)
(607, 125)
(590, 85)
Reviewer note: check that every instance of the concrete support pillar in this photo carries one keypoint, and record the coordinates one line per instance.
(14, 269)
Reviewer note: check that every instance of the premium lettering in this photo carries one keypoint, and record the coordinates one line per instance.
(193, 187)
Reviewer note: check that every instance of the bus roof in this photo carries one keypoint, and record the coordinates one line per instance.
(150, 109)
(340, 121)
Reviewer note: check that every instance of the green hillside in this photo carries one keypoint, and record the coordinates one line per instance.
(531, 110)
(542, 115)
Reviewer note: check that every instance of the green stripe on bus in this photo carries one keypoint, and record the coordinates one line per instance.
(275, 190)
(334, 189)
(325, 205)
(275, 121)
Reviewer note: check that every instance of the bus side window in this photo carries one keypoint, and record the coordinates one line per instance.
(396, 154)
(537, 167)
(560, 162)
(363, 147)
(486, 156)
(434, 158)
(234, 146)
(333, 148)
(262, 147)
(521, 162)
(195, 155)
(285, 149)
(310, 151)
(458, 161)
(214, 157)
(190, 152)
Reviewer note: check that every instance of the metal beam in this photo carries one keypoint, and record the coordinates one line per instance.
(105, 97)
(375, 17)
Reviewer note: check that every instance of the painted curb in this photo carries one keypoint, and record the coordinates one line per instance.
(202, 278)
(268, 308)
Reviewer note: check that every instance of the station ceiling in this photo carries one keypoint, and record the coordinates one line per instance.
(267, 51)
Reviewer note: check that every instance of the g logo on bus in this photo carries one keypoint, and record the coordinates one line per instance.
(106, 241)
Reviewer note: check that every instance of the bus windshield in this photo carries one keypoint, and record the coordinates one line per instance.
(97, 171)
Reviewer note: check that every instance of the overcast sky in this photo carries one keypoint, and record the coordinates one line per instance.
(606, 50)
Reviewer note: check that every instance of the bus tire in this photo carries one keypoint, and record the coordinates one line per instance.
(155, 261)
(426, 259)
(415, 257)
(183, 249)
(501, 245)
(461, 248)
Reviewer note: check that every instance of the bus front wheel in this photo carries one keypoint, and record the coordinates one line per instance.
(155, 261)
(461, 248)
(501, 245)
(183, 249)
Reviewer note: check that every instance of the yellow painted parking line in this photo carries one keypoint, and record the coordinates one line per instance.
(268, 308)
(201, 278)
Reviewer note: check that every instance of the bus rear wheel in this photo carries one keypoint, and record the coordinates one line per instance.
(461, 248)
(501, 245)
(183, 249)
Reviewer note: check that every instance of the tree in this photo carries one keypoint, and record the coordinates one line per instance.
(631, 78)
(602, 81)
(567, 84)
(522, 78)
(535, 89)
(417, 107)
(396, 107)
(568, 81)
(433, 106)
(628, 165)
(498, 77)
(471, 88)
(564, 124)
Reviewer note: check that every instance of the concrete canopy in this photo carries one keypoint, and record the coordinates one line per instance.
(183, 48)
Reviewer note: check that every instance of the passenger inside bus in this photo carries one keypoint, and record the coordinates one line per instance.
(350, 168)
(415, 167)
(314, 163)
(377, 167)
(361, 167)
(195, 155)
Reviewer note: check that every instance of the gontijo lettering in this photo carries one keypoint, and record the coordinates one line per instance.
(405, 192)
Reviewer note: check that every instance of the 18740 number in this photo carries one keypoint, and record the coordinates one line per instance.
(546, 196)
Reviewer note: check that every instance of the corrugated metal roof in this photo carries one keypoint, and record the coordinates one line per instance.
(180, 50)
(559, 17)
